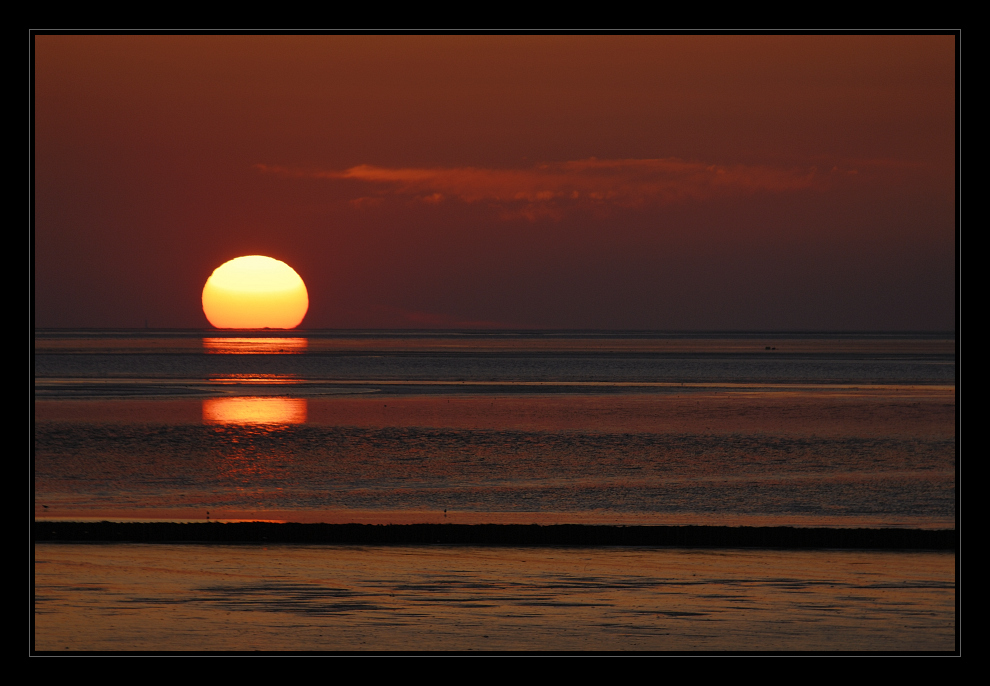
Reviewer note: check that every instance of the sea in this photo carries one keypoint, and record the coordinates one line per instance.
(841, 430)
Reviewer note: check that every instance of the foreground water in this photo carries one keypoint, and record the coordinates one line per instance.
(440, 598)
(741, 429)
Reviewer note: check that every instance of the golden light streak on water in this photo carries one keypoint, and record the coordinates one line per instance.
(254, 411)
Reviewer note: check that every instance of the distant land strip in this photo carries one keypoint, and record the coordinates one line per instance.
(495, 535)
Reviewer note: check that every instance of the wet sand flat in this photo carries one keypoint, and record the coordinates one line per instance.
(163, 597)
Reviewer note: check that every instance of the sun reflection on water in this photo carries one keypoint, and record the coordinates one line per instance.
(255, 346)
(254, 411)
(255, 379)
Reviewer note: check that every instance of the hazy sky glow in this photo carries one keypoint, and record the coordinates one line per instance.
(680, 182)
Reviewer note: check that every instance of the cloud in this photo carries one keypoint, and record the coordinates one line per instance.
(548, 190)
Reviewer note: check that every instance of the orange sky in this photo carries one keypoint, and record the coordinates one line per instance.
(649, 182)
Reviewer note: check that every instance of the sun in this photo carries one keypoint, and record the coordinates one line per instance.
(255, 292)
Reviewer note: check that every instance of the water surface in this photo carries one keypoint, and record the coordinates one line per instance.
(851, 430)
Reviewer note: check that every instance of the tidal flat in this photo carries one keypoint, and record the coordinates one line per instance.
(813, 432)
(196, 597)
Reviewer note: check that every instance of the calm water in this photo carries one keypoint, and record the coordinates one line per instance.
(809, 430)
(354, 598)
(757, 429)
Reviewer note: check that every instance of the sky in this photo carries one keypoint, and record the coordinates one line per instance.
(523, 182)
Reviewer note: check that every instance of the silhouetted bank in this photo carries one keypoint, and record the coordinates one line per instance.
(495, 535)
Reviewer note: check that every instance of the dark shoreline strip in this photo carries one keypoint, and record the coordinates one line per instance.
(496, 535)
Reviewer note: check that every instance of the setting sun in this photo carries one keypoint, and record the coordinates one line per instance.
(255, 292)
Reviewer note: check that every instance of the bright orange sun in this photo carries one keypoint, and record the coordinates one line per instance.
(255, 292)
